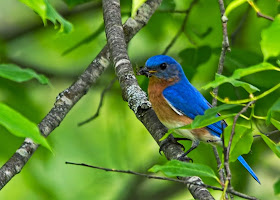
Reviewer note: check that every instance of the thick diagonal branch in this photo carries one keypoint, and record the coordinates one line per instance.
(69, 97)
(135, 96)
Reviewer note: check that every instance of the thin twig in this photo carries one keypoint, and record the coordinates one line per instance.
(257, 10)
(219, 164)
(182, 28)
(85, 40)
(225, 47)
(173, 11)
(107, 88)
(227, 150)
(259, 14)
(160, 178)
(267, 134)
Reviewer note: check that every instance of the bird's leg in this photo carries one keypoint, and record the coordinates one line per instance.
(171, 139)
(184, 157)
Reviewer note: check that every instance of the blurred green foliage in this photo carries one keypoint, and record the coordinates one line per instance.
(116, 139)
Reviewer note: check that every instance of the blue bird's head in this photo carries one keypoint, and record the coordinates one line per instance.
(162, 67)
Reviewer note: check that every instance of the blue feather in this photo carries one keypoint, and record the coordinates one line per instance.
(249, 169)
(189, 101)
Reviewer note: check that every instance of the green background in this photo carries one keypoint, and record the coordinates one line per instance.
(116, 139)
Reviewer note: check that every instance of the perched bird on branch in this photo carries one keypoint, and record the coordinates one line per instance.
(177, 102)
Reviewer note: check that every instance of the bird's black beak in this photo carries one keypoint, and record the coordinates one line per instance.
(145, 71)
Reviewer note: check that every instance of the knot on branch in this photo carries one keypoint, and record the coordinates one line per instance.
(224, 19)
(137, 99)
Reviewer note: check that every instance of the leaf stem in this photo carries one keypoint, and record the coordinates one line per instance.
(254, 98)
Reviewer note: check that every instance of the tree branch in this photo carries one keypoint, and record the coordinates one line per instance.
(160, 178)
(134, 95)
(107, 88)
(69, 97)
(225, 48)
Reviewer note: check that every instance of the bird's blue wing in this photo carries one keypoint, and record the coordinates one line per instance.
(189, 101)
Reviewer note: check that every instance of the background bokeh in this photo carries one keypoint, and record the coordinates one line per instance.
(116, 139)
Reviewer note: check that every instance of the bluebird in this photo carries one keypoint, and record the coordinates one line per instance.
(177, 102)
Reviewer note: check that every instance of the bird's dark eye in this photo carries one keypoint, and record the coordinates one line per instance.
(163, 66)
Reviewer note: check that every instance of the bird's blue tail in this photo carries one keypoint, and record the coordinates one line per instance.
(245, 164)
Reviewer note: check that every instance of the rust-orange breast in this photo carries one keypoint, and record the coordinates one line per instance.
(164, 112)
(168, 116)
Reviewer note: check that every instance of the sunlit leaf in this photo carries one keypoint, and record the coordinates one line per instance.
(232, 5)
(220, 79)
(46, 11)
(276, 187)
(274, 147)
(15, 73)
(135, 5)
(271, 40)
(227, 101)
(20, 126)
(274, 108)
(202, 121)
(239, 73)
(248, 87)
(175, 168)
(241, 142)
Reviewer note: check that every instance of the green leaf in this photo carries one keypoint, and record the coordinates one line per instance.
(73, 3)
(175, 168)
(274, 108)
(276, 187)
(274, 147)
(15, 73)
(271, 40)
(210, 116)
(232, 5)
(241, 142)
(202, 121)
(239, 73)
(20, 126)
(220, 79)
(135, 5)
(45, 10)
(275, 123)
(248, 87)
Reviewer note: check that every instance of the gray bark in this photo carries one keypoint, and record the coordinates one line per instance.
(135, 96)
